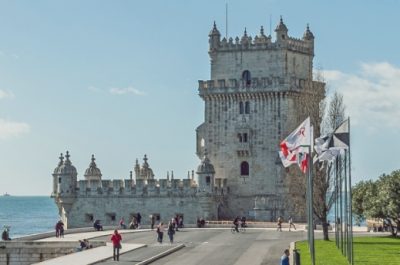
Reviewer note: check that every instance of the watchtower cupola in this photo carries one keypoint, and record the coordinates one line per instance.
(281, 31)
(214, 38)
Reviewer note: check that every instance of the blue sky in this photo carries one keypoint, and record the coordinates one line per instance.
(118, 79)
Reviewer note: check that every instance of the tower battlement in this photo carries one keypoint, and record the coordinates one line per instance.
(261, 42)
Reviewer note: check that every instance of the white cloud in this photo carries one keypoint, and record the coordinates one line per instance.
(6, 94)
(127, 90)
(10, 129)
(371, 96)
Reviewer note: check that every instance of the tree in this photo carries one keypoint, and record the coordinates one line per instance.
(379, 199)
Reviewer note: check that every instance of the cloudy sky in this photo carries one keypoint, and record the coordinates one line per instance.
(118, 79)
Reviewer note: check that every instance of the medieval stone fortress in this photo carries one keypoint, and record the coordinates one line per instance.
(250, 106)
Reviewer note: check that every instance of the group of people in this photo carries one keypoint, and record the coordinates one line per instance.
(84, 244)
(239, 221)
(173, 225)
(280, 221)
(59, 229)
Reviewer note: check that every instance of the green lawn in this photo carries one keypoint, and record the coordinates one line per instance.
(367, 251)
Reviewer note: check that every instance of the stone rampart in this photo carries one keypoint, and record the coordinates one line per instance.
(28, 252)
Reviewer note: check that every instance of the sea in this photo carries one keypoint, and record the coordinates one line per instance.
(27, 215)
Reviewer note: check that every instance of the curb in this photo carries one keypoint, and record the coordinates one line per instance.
(161, 255)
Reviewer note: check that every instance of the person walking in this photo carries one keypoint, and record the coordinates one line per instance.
(285, 257)
(171, 231)
(291, 223)
(160, 232)
(152, 221)
(279, 224)
(116, 240)
(139, 220)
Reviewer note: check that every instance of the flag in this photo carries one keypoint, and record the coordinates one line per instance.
(295, 144)
(341, 136)
(328, 147)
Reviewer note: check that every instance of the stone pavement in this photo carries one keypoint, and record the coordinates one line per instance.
(90, 256)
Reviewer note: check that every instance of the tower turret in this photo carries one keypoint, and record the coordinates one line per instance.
(55, 175)
(205, 173)
(93, 172)
(144, 172)
(67, 178)
(281, 31)
(214, 38)
(65, 195)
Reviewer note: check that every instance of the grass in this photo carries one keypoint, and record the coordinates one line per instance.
(367, 251)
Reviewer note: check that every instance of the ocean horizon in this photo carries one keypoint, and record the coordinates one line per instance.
(27, 215)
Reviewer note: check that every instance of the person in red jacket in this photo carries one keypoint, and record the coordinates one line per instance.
(116, 240)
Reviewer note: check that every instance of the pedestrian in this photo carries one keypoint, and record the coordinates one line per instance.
(57, 227)
(171, 231)
(160, 232)
(152, 221)
(116, 240)
(285, 257)
(61, 228)
(279, 224)
(291, 223)
(139, 219)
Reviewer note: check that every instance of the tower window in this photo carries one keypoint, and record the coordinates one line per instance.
(244, 168)
(240, 137)
(246, 76)
(245, 138)
(208, 180)
(247, 107)
(241, 107)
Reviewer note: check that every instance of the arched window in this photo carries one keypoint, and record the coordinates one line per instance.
(247, 107)
(241, 107)
(244, 168)
(246, 77)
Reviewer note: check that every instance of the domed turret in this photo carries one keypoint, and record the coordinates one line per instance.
(55, 174)
(214, 38)
(281, 31)
(67, 177)
(205, 173)
(308, 35)
(93, 172)
(145, 172)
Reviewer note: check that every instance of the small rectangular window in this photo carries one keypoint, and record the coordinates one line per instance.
(245, 137)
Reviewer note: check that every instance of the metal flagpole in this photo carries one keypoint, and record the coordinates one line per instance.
(341, 203)
(310, 208)
(346, 212)
(351, 250)
(336, 203)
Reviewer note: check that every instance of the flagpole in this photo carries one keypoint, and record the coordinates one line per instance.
(346, 212)
(310, 208)
(351, 260)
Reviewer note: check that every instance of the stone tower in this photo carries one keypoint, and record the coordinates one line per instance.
(250, 106)
(65, 178)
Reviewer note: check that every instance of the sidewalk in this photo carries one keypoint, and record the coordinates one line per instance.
(90, 256)
(88, 235)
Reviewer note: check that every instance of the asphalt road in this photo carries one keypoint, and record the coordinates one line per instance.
(211, 246)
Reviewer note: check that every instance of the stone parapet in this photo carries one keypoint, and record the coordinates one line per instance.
(28, 252)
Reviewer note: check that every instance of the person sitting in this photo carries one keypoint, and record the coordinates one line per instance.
(97, 225)
(122, 223)
(82, 245)
(133, 224)
(88, 245)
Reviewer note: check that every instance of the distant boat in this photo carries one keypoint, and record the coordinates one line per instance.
(6, 194)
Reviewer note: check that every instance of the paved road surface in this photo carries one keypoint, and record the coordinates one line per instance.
(211, 246)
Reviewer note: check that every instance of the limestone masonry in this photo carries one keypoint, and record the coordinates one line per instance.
(251, 104)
